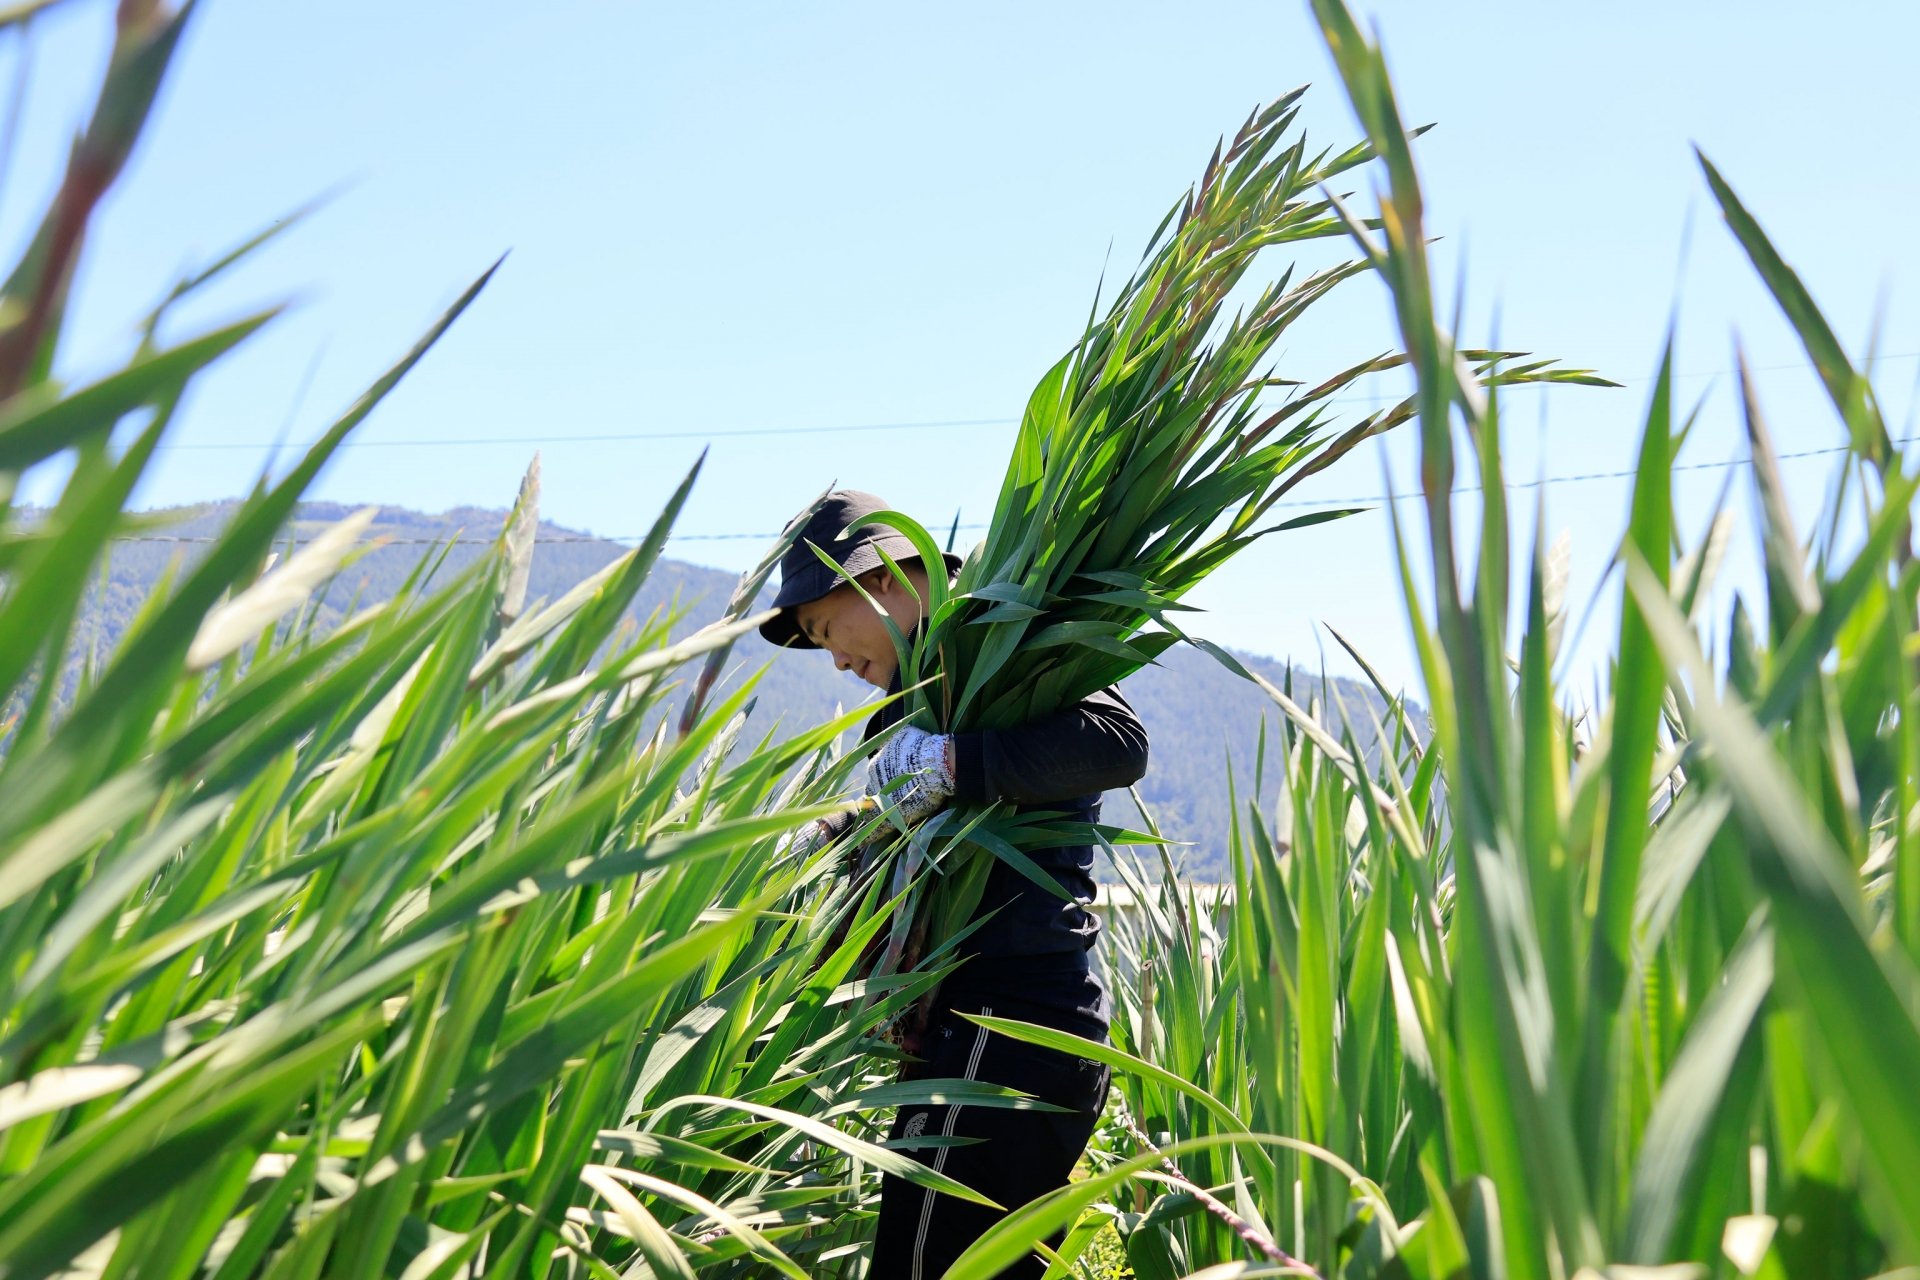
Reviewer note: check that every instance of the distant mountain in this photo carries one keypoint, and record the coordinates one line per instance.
(1202, 720)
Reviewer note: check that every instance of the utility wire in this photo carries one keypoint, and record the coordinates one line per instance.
(627, 437)
(1410, 496)
(619, 436)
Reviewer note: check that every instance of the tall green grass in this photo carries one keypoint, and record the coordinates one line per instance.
(454, 940)
(459, 939)
(1552, 993)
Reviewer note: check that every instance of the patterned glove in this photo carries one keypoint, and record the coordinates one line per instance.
(803, 842)
(925, 760)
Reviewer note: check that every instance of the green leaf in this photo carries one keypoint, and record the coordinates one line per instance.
(1692, 1097)
(866, 1152)
(41, 422)
(1859, 999)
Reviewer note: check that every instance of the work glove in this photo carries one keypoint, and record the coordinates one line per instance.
(809, 838)
(925, 760)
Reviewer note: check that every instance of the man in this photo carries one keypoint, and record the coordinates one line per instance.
(1032, 959)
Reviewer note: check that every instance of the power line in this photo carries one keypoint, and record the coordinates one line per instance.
(543, 540)
(1628, 474)
(1411, 495)
(630, 437)
(620, 436)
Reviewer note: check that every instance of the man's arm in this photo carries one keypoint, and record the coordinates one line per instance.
(1096, 745)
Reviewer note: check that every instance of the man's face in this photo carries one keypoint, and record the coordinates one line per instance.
(844, 624)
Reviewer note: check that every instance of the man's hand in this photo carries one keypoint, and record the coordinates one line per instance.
(804, 841)
(925, 761)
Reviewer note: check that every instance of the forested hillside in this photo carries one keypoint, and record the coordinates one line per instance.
(1202, 719)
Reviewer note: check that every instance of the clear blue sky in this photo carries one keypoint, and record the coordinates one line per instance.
(734, 216)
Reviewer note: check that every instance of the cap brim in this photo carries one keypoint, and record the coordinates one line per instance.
(783, 628)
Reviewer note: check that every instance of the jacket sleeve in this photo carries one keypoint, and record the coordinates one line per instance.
(1096, 745)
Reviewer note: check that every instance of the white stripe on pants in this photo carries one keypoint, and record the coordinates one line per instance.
(940, 1156)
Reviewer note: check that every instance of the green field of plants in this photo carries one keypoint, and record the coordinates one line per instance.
(463, 938)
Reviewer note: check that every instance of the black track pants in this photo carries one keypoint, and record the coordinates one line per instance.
(1021, 1155)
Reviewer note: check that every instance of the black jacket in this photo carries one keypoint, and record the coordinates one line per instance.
(1058, 764)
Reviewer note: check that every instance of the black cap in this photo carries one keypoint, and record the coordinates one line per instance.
(804, 577)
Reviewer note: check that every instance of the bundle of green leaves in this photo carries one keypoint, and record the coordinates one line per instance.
(1146, 458)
